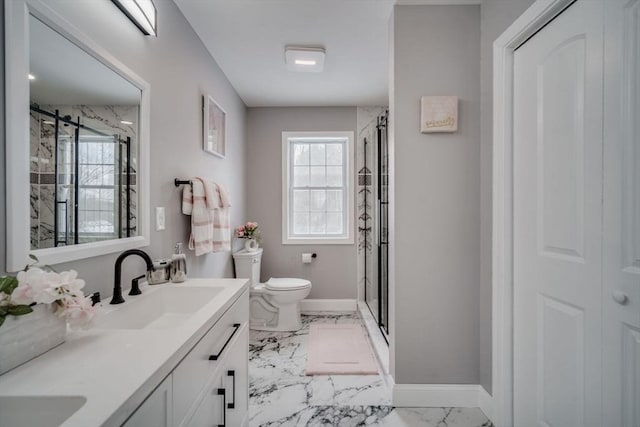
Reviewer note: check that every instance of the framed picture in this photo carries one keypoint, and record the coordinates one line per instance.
(214, 127)
(439, 114)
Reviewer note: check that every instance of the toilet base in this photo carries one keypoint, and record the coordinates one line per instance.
(268, 317)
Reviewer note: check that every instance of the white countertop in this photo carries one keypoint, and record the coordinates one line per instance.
(115, 370)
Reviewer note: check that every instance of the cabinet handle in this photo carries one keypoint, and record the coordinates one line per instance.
(236, 326)
(221, 392)
(232, 374)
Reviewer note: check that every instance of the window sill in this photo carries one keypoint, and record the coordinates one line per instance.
(318, 241)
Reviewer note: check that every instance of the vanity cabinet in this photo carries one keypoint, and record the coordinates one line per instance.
(157, 409)
(225, 400)
(235, 381)
(210, 386)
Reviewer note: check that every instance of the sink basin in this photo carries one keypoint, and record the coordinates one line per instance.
(159, 308)
(38, 411)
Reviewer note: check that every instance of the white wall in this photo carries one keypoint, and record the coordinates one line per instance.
(333, 272)
(179, 69)
(497, 15)
(436, 219)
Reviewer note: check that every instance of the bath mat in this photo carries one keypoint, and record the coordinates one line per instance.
(339, 349)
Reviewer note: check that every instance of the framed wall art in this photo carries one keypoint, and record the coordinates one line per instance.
(214, 127)
(439, 114)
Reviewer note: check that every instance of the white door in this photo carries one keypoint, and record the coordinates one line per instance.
(558, 222)
(621, 216)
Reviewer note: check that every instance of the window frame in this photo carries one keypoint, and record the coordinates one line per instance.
(348, 237)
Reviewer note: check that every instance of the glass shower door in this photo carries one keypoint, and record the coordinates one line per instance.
(377, 248)
(383, 224)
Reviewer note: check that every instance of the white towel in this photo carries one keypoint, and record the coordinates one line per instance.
(208, 204)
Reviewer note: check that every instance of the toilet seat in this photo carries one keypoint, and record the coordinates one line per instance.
(286, 284)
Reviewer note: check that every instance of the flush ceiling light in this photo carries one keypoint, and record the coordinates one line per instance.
(32, 77)
(143, 13)
(305, 59)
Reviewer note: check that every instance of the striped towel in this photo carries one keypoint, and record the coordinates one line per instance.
(218, 201)
(208, 204)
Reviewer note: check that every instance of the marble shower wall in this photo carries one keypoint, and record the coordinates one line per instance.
(366, 156)
(42, 162)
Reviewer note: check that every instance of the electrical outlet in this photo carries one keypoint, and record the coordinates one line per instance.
(159, 218)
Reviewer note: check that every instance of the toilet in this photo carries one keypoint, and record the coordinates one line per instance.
(275, 304)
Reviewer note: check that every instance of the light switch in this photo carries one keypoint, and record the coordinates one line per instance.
(159, 218)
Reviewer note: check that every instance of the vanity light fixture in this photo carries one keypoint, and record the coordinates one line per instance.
(304, 59)
(143, 13)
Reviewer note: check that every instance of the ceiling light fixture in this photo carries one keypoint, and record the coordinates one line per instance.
(304, 62)
(126, 122)
(32, 77)
(305, 59)
(143, 13)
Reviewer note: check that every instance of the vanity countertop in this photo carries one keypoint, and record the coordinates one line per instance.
(115, 369)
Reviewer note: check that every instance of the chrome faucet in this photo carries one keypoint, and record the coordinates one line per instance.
(117, 287)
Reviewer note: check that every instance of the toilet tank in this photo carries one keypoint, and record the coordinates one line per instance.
(248, 265)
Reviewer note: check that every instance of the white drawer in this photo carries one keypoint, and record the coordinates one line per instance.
(196, 369)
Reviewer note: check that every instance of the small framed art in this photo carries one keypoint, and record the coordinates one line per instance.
(439, 114)
(214, 127)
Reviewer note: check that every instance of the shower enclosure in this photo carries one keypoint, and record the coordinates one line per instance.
(376, 215)
(81, 182)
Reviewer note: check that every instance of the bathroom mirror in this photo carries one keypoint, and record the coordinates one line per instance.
(76, 148)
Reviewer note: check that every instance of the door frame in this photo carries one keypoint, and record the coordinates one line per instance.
(531, 21)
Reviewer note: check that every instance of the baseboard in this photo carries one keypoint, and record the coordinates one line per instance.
(485, 402)
(443, 395)
(335, 305)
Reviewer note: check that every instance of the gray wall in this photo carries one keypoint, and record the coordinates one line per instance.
(436, 219)
(497, 15)
(179, 70)
(333, 273)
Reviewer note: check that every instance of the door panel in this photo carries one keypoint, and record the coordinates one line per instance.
(558, 222)
(560, 340)
(561, 149)
(621, 215)
(630, 377)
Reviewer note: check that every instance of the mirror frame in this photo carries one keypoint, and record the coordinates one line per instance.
(18, 242)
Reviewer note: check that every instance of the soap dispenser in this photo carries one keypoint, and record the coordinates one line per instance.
(178, 265)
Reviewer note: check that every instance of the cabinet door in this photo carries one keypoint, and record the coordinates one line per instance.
(211, 410)
(235, 380)
(192, 375)
(156, 410)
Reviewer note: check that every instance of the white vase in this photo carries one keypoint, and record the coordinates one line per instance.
(24, 337)
(251, 245)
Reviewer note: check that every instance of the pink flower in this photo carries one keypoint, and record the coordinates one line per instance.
(32, 284)
(23, 294)
(78, 311)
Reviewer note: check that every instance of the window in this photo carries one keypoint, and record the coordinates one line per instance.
(97, 189)
(317, 187)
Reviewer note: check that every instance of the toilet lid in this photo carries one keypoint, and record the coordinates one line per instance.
(286, 284)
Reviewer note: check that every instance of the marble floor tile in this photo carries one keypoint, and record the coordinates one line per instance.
(280, 394)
